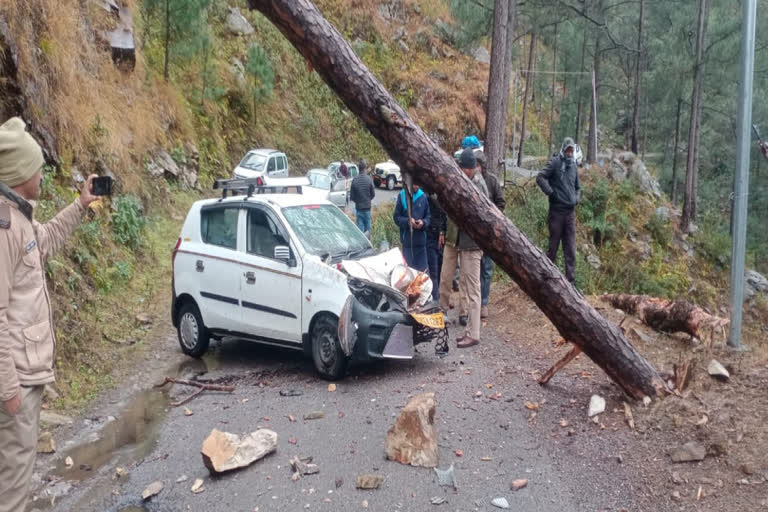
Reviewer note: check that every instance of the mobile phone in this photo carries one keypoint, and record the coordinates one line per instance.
(102, 186)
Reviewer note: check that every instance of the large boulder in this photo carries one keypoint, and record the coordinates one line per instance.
(223, 451)
(413, 437)
(481, 55)
(755, 283)
(185, 172)
(237, 24)
(626, 165)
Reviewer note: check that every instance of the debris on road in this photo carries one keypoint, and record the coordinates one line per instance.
(531, 405)
(188, 411)
(199, 385)
(120, 472)
(596, 405)
(519, 484)
(718, 371)
(500, 503)
(446, 477)
(689, 452)
(412, 439)
(182, 479)
(197, 487)
(438, 500)
(339, 482)
(152, 489)
(459, 453)
(291, 418)
(331, 387)
(314, 415)
(45, 443)
(69, 462)
(291, 392)
(302, 467)
(223, 451)
(628, 416)
(369, 481)
(292, 440)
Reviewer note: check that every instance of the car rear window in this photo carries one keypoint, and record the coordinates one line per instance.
(219, 227)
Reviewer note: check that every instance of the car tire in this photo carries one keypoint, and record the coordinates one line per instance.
(391, 183)
(330, 361)
(194, 336)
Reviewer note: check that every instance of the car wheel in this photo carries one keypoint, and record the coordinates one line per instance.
(391, 183)
(193, 334)
(330, 361)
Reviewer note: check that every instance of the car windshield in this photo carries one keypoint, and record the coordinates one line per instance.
(325, 230)
(318, 180)
(254, 162)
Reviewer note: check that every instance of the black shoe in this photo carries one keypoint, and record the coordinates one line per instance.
(463, 320)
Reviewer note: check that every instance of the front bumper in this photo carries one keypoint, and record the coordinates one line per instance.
(366, 334)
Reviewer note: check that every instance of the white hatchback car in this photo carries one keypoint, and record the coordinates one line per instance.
(262, 162)
(269, 267)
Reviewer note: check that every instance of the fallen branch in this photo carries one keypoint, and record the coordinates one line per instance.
(570, 356)
(667, 316)
(201, 387)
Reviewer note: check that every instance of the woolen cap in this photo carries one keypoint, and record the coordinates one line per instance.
(467, 159)
(20, 154)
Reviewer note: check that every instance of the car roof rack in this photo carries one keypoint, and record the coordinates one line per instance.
(257, 185)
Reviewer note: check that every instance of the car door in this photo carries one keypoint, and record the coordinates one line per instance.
(218, 268)
(272, 166)
(270, 288)
(338, 193)
(284, 161)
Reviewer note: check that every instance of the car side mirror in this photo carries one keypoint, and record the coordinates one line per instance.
(282, 253)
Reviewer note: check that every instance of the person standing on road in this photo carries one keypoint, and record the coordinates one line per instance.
(362, 192)
(27, 339)
(459, 243)
(343, 170)
(413, 229)
(559, 180)
(496, 195)
(435, 243)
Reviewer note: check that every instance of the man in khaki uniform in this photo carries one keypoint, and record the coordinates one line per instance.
(27, 339)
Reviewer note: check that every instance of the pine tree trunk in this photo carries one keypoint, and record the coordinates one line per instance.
(689, 196)
(167, 36)
(528, 83)
(636, 104)
(511, 23)
(674, 155)
(592, 135)
(576, 320)
(496, 116)
(552, 107)
(579, 109)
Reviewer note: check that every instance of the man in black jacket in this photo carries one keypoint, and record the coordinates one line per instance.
(362, 192)
(559, 180)
(496, 195)
(435, 243)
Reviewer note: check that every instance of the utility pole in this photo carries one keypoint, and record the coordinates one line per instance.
(741, 183)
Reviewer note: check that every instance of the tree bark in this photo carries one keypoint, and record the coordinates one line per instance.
(166, 74)
(592, 135)
(636, 104)
(528, 80)
(511, 24)
(580, 92)
(552, 106)
(496, 116)
(340, 67)
(689, 196)
(674, 155)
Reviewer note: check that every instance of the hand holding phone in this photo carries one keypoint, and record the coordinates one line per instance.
(102, 186)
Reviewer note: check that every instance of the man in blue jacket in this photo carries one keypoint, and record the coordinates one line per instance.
(559, 180)
(413, 229)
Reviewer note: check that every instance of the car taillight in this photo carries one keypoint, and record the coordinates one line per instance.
(259, 181)
(173, 253)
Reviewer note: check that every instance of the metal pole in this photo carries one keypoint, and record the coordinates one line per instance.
(741, 183)
(594, 113)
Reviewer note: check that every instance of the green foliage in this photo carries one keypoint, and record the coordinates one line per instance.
(127, 221)
(660, 229)
(383, 227)
(259, 68)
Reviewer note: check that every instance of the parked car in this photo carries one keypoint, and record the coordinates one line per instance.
(262, 162)
(334, 185)
(387, 173)
(269, 267)
(352, 170)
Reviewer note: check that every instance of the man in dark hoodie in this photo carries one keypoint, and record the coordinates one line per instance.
(413, 229)
(559, 180)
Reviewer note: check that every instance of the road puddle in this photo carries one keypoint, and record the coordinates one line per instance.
(129, 437)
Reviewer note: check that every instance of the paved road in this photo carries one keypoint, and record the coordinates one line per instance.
(153, 441)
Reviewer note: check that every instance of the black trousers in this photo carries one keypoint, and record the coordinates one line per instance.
(562, 228)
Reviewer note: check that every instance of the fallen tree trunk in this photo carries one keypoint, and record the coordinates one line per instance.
(576, 320)
(667, 316)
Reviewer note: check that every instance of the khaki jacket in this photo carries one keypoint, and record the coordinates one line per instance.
(453, 235)
(27, 338)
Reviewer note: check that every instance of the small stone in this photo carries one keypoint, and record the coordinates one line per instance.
(748, 468)
(676, 496)
(181, 479)
(314, 415)
(676, 478)
(54, 420)
(331, 387)
(437, 500)
(188, 412)
(717, 370)
(500, 503)
(152, 489)
(646, 401)
(596, 405)
(519, 484)
(291, 392)
(197, 487)
(689, 452)
(446, 477)
(69, 462)
(45, 443)
(120, 472)
(369, 481)
(364, 504)
(339, 482)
